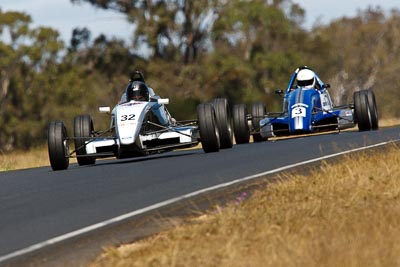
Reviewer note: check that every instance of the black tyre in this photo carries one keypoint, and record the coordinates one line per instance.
(224, 122)
(258, 111)
(373, 109)
(362, 111)
(209, 133)
(57, 139)
(240, 125)
(83, 131)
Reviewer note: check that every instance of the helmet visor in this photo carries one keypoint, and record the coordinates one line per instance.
(306, 82)
(139, 95)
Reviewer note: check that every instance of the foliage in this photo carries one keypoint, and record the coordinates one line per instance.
(199, 50)
(362, 53)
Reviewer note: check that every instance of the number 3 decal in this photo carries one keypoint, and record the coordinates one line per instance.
(298, 112)
(127, 117)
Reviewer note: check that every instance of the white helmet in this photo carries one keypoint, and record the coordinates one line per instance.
(306, 78)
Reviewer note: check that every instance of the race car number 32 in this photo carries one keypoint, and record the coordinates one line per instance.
(128, 117)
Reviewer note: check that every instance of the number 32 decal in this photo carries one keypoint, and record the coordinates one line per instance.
(128, 117)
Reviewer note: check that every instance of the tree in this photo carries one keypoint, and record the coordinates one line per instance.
(80, 38)
(360, 53)
(25, 55)
(171, 29)
(265, 36)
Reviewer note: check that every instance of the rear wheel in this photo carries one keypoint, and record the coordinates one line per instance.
(365, 113)
(258, 111)
(373, 109)
(83, 131)
(57, 138)
(224, 122)
(240, 125)
(209, 133)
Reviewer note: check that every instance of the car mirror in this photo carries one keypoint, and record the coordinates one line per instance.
(327, 85)
(163, 101)
(279, 92)
(104, 109)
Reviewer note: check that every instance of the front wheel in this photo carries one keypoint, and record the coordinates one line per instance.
(209, 132)
(224, 121)
(57, 138)
(240, 125)
(83, 131)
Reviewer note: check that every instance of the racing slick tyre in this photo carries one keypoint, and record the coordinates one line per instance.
(209, 133)
(57, 139)
(240, 125)
(224, 122)
(258, 111)
(362, 110)
(373, 109)
(83, 130)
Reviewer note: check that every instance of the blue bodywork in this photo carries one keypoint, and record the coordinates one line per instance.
(306, 110)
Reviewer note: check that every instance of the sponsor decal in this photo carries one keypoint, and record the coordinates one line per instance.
(122, 124)
(131, 104)
(325, 102)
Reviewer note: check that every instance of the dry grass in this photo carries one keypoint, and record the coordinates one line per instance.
(389, 122)
(343, 214)
(16, 160)
(21, 159)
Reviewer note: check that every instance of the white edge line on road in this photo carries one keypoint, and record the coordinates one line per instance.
(173, 200)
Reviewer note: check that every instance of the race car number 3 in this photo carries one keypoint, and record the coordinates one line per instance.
(298, 112)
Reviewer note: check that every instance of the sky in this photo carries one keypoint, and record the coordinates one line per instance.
(65, 16)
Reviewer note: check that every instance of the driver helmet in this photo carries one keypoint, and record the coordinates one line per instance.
(306, 78)
(137, 91)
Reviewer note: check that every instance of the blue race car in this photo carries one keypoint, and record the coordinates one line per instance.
(307, 108)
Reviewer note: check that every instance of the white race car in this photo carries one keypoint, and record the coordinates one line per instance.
(140, 125)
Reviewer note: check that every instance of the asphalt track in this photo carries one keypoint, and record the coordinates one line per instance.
(39, 204)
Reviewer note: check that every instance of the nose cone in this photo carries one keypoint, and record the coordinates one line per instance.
(300, 105)
(129, 118)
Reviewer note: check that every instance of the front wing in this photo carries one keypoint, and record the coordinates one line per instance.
(168, 138)
(281, 124)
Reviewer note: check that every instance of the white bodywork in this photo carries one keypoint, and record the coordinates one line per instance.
(128, 119)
